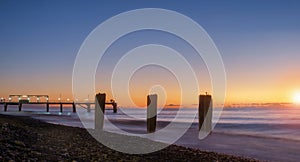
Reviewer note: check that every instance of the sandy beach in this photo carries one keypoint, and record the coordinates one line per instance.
(24, 138)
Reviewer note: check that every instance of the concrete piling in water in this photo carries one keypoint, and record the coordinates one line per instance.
(151, 113)
(205, 113)
(74, 107)
(114, 104)
(61, 107)
(88, 107)
(99, 110)
(20, 106)
(5, 106)
(47, 107)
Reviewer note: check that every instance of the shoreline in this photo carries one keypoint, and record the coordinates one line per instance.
(256, 147)
(32, 139)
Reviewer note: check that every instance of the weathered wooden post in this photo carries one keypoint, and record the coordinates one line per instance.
(151, 113)
(205, 113)
(114, 107)
(61, 107)
(47, 107)
(20, 106)
(74, 107)
(88, 107)
(99, 110)
(5, 106)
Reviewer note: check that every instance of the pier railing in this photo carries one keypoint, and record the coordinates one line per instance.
(48, 103)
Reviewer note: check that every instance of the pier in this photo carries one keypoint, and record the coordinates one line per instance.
(26, 100)
(47, 104)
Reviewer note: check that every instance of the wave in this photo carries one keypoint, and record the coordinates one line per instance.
(256, 135)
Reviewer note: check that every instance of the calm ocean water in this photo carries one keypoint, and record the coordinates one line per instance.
(283, 123)
(267, 122)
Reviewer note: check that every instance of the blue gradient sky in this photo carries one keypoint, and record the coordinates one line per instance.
(258, 40)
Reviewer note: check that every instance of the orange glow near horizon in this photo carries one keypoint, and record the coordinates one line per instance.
(286, 91)
(296, 98)
(166, 86)
(281, 86)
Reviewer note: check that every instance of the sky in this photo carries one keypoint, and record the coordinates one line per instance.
(258, 41)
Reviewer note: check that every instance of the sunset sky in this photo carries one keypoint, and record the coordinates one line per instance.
(259, 42)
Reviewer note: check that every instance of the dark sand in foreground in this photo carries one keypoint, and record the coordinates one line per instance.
(23, 138)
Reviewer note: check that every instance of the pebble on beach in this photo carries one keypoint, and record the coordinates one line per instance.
(23, 138)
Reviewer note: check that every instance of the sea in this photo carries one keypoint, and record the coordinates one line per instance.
(281, 123)
(276, 122)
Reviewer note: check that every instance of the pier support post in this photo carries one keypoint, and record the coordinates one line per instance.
(114, 107)
(5, 106)
(99, 110)
(61, 107)
(88, 107)
(151, 113)
(205, 113)
(47, 107)
(74, 108)
(20, 106)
